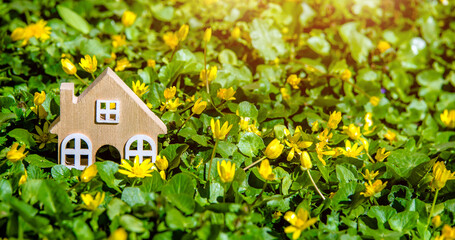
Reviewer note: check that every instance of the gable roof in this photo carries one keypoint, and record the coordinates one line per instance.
(116, 79)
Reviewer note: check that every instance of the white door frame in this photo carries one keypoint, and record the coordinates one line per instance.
(77, 151)
(140, 138)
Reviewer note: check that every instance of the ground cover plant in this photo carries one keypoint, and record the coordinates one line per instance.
(286, 119)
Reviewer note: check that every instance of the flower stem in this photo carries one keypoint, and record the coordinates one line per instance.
(252, 165)
(80, 79)
(93, 76)
(180, 128)
(260, 194)
(432, 208)
(73, 187)
(314, 184)
(358, 88)
(205, 69)
(211, 158)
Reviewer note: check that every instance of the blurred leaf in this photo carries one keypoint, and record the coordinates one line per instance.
(73, 19)
(106, 171)
(319, 45)
(250, 144)
(22, 136)
(267, 40)
(37, 160)
(359, 44)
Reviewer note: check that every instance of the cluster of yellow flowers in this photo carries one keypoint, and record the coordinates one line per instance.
(39, 30)
(172, 39)
(170, 104)
(246, 126)
(207, 76)
(87, 63)
(448, 118)
(38, 109)
(140, 89)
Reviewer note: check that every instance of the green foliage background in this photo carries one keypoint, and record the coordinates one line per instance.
(315, 39)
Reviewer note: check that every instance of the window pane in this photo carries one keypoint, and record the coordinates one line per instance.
(133, 146)
(113, 105)
(69, 160)
(84, 160)
(70, 144)
(84, 145)
(103, 105)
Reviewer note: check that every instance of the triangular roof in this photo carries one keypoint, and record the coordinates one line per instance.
(116, 79)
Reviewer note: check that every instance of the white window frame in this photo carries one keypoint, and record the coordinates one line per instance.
(76, 151)
(107, 111)
(140, 148)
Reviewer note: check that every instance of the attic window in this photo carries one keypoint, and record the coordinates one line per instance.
(107, 111)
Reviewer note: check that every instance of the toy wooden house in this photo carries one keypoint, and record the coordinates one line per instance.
(108, 112)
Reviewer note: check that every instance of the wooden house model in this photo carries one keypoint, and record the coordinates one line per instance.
(108, 112)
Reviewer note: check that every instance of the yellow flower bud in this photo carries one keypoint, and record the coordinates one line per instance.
(235, 34)
(346, 75)
(119, 234)
(218, 131)
(294, 81)
(128, 18)
(305, 161)
(23, 178)
(68, 66)
(352, 131)
(226, 94)
(151, 63)
(383, 46)
(169, 93)
(207, 34)
(436, 221)
(334, 120)
(266, 171)
(163, 175)
(171, 40)
(381, 155)
(274, 149)
(440, 176)
(374, 100)
(39, 98)
(448, 118)
(315, 126)
(226, 171)
(161, 162)
(183, 32)
(40, 111)
(199, 106)
(89, 173)
(89, 64)
(14, 154)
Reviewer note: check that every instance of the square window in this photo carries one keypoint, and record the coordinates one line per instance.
(107, 111)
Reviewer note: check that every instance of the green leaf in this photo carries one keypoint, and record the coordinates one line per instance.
(73, 19)
(6, 190)
(344, 175)
(319, 45)
(402, 162)
(404, 221)
(162, 12)
(225, 149)
(227, 56)
(250, 144)
(133, 196)
(117, 207)
(131, 223)
(190, 133)
(60, 172)
(381, 213)
(175, 220)
(106, 171)
(82, 230)
(173, 153)
(49, 193)
(152, 184)
(37, 160)
(266, 39)
(359, 44)
(180, 191)
(246, 109)
(94, 47)
(22, 136)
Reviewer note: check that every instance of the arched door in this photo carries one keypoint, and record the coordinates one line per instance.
(142, 146)
(76, 151)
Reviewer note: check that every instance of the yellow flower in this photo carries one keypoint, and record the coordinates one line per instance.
(119, 234)
(285, 94)
(68, 66)
(118, 40)
(436, 221)
(23, 178)
(91, 203)
(315, 126)
(373, 189)
(235, 34)
(151, 63)
(122, 64)
(381, 155)
(368, 123)
(266, 171)
(140, 89)
(128, 18)
(171, 40)
(365, 144)
(199, 106)
(276, 215)
(352, 151)
(383, 46)
(391, 136)
(440, 176)
(294, 81)
(448, 233)
(346, 75)
(274, 149)
(183, 32)
(226, 94)
(369, 176)
(374, 100)
(89, 64)
(352, 131)
(219, 132)
(137, 170)
(163, 174)
(18, 34)
(305, 161)
(334, 120)
(244, 122)
(39, 98)
(39, 30)
(324, 136)
(173, 105)
(89, 173)
(169, 93)
(299, 222)
(209, 77)
(448, 118)
(294, 142)
(44, 136)
(226, 171)
(207, 35)
(40, 111)
(112, 58)
(161, 162)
